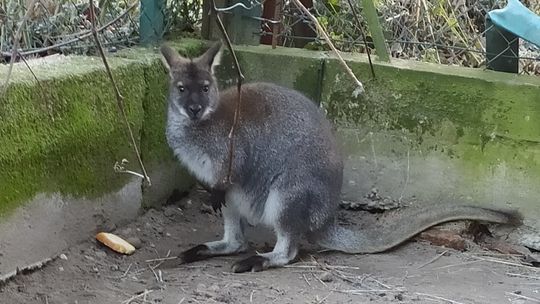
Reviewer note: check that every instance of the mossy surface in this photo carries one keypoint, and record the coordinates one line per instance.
(421, 101)
(65, 133)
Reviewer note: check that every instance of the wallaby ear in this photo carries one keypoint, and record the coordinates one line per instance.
(170, 57)
(211, 58)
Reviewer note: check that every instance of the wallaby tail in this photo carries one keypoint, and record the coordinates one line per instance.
(409, 222)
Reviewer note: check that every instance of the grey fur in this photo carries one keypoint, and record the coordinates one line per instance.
(287, 169)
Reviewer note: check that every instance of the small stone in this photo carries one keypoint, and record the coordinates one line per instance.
(95, 269)
(60, 268)
(202, 290)
(167, 234)
(214, 287)
(125, 231)
(399, 297)
(326, 277)
(63, 257)
(115, 267)
(135, 241)
(518, 292)
(236, 285)
(169, 212)
(101, 254)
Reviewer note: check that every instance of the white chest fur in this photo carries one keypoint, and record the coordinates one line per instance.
(199, 164)
(273, 207)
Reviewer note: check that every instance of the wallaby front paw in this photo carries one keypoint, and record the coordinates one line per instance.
(253, 263)
(194, 254)
(217, 199)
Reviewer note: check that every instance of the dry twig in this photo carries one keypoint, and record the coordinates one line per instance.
(14, 50)
(506, 263)
(359, 86)
(238, 87)
(522, 276)
(368, 52)
(135, 297)
(432, 260)
(119, 97)
(535, 300)
(437, 297)
(78, 36)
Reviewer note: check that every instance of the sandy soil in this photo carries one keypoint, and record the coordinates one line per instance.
(414, 273)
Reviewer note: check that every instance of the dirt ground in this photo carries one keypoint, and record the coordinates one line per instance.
(416, 272)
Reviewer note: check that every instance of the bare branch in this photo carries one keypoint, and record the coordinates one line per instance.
(14, 50)
(368, 52)
(360, 86)
(119, 97)
(239, 90)
(79, 36)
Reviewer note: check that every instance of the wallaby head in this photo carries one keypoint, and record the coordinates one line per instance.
(193, 89)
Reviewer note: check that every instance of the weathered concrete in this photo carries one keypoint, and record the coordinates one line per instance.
(430, 132)
(61, 136)
(440, 134)
(51, 222)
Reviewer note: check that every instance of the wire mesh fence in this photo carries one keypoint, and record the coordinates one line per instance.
(440, 31)
(450, 32)
(64, 26)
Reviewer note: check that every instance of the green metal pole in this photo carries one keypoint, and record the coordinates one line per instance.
(502, 49)
(372, 19)
(152, 21)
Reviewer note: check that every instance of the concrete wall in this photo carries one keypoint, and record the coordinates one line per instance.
(421, 132)
(59, 140)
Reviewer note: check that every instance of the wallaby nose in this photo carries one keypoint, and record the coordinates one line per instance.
(194, 109)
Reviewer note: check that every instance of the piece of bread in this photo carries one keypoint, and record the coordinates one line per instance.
(115, 243)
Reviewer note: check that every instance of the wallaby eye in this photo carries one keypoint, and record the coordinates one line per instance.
(205, 88)
(181, 88)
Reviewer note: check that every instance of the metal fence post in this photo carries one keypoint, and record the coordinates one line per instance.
(372, 19)
(502, 49)
(152, 21)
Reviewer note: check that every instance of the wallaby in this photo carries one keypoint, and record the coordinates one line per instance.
(287, 171)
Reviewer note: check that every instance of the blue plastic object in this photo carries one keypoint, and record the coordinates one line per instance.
(519, 20)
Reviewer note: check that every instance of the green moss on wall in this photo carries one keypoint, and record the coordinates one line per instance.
(65, 134)
(420, 101)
